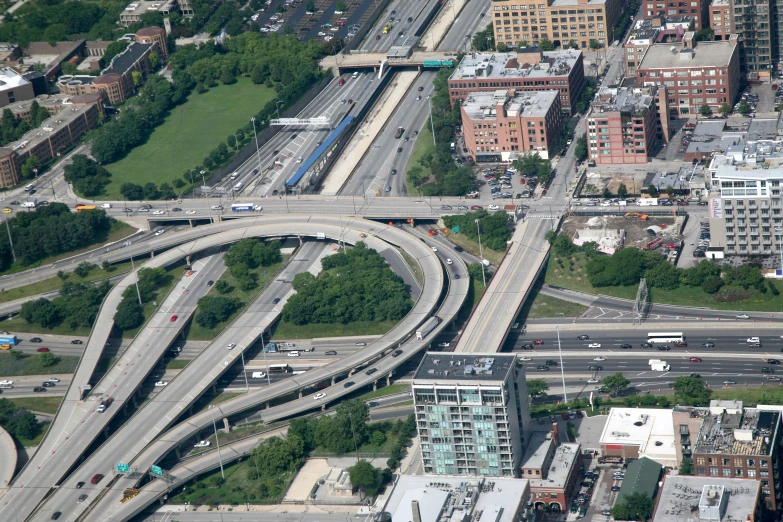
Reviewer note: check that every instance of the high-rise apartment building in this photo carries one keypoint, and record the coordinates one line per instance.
(753, 24)
(561, 21)
(472, 414)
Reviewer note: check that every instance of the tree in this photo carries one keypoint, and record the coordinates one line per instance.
(691, 391)
(26, 426)
(114, 49)
(46, 359)
(223, 287)
(686, 466)
(635, 506)
(208, 162)
(310, 6)
(129, 314)
(705, 34)
(663, 275)
(215, 310)
(705, 110)
(594, 44)
(744, 108)
(546, 44)
(622, 190)
(378, 438)
(563, 246)
(652, 190)
(615, 383)
(712, 285)
(231, 141)
(581, 148)
(30, 166)
(537, 387)
(240, 135)
(151, 191)
(227, 77)
(136, 78)
(132, 191)
(366, 478)
(606, 193)
(725, 108)
(154, 59)
(341, 6)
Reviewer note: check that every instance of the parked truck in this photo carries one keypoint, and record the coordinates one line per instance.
(657, 365)
(648, 202)
(427, 327)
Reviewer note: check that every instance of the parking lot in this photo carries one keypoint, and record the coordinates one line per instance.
(325, 23)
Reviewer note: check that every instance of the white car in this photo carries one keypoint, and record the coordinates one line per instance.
(161, 384)
(190, 212)
(6, 382)
(231, 346)
(750, 340)
(525, 358)
(202, 444)
(158, 213)
(594, 380)
(254, 17)
(293, 354)
(319, 396)
(449, 262)
(493, 207)
(600, 358)
(434, 249)
(594, 345)
(54, 379)
(144, 209)
(159, 232)
(606, 203)
(321, 33)
(216, 207)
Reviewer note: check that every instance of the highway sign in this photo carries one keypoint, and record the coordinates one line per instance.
(155, 470)
(122, 467)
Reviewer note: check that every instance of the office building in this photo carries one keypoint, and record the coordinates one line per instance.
(472, 414)
(504, 125)
(694, 74)
(528, 70)
(650, 31)
(695, 9)
(561, 21)
(14, 87)
(640, 432)
(623, 125)
(685, 498)
(741, 443)
(553, 469)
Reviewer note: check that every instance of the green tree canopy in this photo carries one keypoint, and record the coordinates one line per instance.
(537, 387)
(635, 506)
(691, 390)
(616, 382)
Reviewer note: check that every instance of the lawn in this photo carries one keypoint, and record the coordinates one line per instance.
(31, 443)
(55, 283)
(39, 404)
(176, 364)
(30, 364)
(386, 390)
(751, 397)
(188, 134)
(545, 307)
(472, 247)
(149, 308)
(263, 276)
(422, 147)
(285, 330)
(571, 274)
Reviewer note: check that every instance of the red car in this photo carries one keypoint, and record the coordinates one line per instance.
(681, 344)
(476, 207)
(695, 359)
(538, 342)
(521, 181)
(564, 416)
(173, 318)
(42, 349)
(671, 245)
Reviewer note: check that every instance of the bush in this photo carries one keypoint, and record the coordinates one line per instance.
(496, 229)
(712, 285)
(215, 310)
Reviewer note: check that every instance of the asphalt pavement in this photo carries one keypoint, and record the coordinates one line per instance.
(406, 18)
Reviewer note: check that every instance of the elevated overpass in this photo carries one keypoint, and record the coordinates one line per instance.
(369, 60)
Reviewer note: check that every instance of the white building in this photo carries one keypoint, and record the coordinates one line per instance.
(640, 432)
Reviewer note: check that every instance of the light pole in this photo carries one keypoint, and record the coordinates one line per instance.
(277, 106)
(209, 203)
(432, 124)
(263, 350)
(11, 241)
(562, 370)
(133, 268)
(255, 136)
(217, 441)
(244, 371)
(481, 253)
(342, 232)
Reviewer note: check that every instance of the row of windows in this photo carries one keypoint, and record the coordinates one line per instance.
(532, 7)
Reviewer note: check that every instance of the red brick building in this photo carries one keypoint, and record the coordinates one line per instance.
(553, 470)
(503, 125)
(697, 9)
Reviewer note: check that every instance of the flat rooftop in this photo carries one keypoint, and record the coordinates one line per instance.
(439, 366)
(560, 467)
(745, 432)
(124, 61)
(539, 64)
(10, 79)
(457, 499)
(49, 127)
(704, 54)
(483, 105)
(741, 170)
(140, 7)
(624, 99)
(649, 428)
(716, 499)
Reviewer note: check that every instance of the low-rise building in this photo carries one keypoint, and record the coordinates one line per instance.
(685, 498)
(649, 31)
(640, 432)
(641, 476)
(506, 124)
(135, 10)
(14, 87)
(9, 52)
(553, 470)
(623, 125)
(527, 70)
(50, 57)
(694, 74)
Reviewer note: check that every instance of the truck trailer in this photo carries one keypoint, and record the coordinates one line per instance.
(427, 327)
(657, 365)
(242, 207)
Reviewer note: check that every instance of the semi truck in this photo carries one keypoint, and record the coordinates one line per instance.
(81, 208)
(242, 207)
(657, 365)
(427, 327)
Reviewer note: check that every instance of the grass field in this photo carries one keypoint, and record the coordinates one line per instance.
(177, 364)
(545, 307)
(30, 364)
(386, 390)
(40, 404)
(188, 134)
(572, 275)
(472, 247)
(751, 397)
(31, 443)
(286, 330)
(263, 276)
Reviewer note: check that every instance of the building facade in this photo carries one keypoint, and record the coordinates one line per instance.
(527, 70)
(649, 31)
(472, 414)
(695, 9)
(722, 19)
(561, 21)
(754, 26)
(553, 470)
(694, 74)
(14, 87)
(503, 125)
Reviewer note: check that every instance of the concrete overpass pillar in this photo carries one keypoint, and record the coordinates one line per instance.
(152, 254)
(388, 379)
(226, 425)
(106, 432)
(187, 260)
(300, 394)
(176, 452)
(214, 388)
(267, 405)
(334, 380)
(135, 402)
(374, 385)
(323, 407)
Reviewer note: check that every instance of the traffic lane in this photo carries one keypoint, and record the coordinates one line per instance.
(470, 19)
(23, 385)
(165, 514)
(415, 111)
(398, 12)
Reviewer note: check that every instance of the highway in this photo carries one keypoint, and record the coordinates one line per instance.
(403, 31)
(471, 19)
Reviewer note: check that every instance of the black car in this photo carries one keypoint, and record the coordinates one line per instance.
(399, 149)
(275, 300)
(330, 352)
(542, 368)
(626, 346)
(616, 488)
(695, 375)
(421, 88)
(79, 485)
(38, 389)
(645, 345)
(255, 171)
(43, 203)
(663, 348)
(459, 249)
(48, 384)
(393, 171)
(396, 353)
(371, 371)
(530, 347)
(77, 341)
(550, 362)
(210, 282)
(595, 368)
(456, 276)
(708, 345)
(773, 361)
(176, 209)
(36, 340)
(767, 370)
(584, 337)
(348, 384)
(127, 210)
(56, 515)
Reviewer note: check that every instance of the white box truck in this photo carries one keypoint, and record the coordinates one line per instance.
(427, 327)
(657, 365)
(647, 202)
(30, 204)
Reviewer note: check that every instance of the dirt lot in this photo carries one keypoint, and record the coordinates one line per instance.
(635, 229)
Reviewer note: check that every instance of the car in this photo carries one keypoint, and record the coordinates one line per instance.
(56, 515)
(293, 354)
(476, 207)
(7, 210)
(394, 171)
(210, 282)
(540, 420)
(77, 341)
(360, 344)
(396, 353)
(599, 358)
(595, 368)
(176, 209)
(594, 345)
(593, 380)
(173, 318)
(571, 415)
(79, 485)
(663, 348)
(82, 497)
(202, 444)
(48, 384)
(38, 389)
(161, 384)
(42, 349)
(695, 359)
(371, 371)
(399, 149)
(158, 212)
(527, 346)
(319, 396)
(456, 276)
(680, 344)
(190, 212)
(743, 316)
(708, 345)
(444, 345)
(564, 416)
(275, 300)
(729, 381)
(583, 337)
(773, 361)
(580, 414)
(6, 383)
(542, 368)
(538, 342)
(626, 346)
(144, 210)
(616, 488)
(434, 249)
(54, 379)
(36, 340)
(753, 340)
(766, 369)
(551, 362)
(755, 345)
(493, 207)
(525, 358)
(231, 346)
(330, 352)
(388, 188)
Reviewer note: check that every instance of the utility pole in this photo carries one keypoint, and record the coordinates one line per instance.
(481, 253)
(11, 241)
(255, 136)
(562, 370)
(432, 123)
(217, 441)
(133, 267)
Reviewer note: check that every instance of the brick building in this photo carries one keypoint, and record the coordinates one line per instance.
(722, 19)
(503, 125)
(693, 74)
(528, 70)
(649, 31)
(583, 21)
(623, 125)
(553, 470)
(696, 9)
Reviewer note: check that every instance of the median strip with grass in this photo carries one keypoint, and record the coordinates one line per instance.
(38, 404)
(18, 363)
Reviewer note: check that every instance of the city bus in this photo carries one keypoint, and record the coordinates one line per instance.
(665, 337)
(279, 368)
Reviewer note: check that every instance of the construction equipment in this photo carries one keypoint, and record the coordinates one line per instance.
(128, 494)
(637, 214)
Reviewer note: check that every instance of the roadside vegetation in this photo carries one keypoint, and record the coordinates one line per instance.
(19, 423)
(14, 362)
(38, 404)
(540, 306)
(707, 284)
(154, 285)
(75, 308)
(496, 228)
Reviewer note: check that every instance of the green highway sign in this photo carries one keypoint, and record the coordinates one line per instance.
(156, 470)
(122, 468)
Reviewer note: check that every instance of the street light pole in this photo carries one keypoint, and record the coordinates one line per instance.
(263, 350)
(481, 253)
(11, 241)
(244, 371)
(562, 370)
(432, 123)
(209, 203)
(258, 151)
(217, 441)
(136, 279)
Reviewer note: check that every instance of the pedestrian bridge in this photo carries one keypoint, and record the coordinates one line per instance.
(376, 61)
